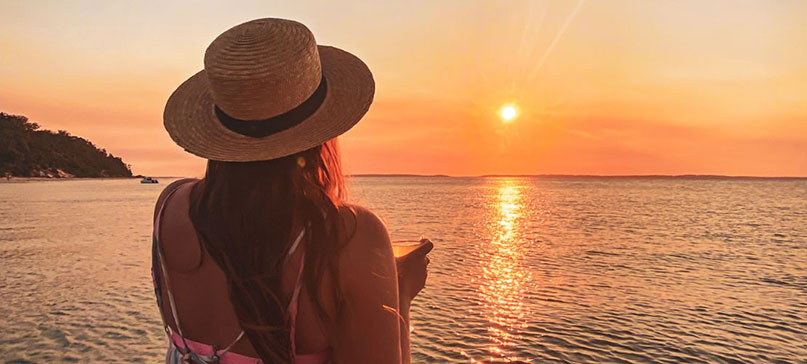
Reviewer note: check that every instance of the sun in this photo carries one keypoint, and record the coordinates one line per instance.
(508, 113)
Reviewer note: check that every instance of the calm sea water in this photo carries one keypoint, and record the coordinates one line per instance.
(524, 270)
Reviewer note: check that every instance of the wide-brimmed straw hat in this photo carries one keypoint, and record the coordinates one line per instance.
(267, 91)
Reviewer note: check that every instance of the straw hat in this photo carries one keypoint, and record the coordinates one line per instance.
(268, 91)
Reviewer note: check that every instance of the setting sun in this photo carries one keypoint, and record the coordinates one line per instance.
(508, 113)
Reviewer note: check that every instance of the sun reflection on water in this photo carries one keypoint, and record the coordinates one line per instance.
(504, 278)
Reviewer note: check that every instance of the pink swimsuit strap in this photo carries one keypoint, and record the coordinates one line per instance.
(321, 357)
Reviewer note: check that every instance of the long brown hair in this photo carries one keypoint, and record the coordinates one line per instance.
(244, 213)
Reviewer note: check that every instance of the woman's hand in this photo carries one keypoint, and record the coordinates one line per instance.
(412, 271)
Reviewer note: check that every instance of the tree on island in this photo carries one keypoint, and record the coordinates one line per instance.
(28, 151)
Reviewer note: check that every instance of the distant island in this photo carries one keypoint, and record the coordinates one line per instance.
(397, 175)
(28, 151)
(636, 176)
(587, 176)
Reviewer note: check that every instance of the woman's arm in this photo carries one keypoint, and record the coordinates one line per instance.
(412, 274)
(403, 308)
(370, 327)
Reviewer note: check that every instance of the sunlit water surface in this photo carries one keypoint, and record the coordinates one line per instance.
(524, 270)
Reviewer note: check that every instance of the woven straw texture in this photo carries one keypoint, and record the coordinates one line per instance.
(258, 70)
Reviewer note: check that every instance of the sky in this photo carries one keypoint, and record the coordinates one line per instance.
(600, 87)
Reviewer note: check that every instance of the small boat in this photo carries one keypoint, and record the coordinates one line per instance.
(149, 180)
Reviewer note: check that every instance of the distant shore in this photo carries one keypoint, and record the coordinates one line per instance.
(42, 179)
(398, 175)
(592, 176)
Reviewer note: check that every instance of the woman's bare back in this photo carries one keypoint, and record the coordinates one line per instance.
(369, 327)
(200, 286)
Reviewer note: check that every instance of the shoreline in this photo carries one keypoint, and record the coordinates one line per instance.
(43, 179)
(537, 176)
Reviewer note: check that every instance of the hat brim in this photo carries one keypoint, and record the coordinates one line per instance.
(191, 121)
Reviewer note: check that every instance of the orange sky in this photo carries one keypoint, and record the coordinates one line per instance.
(602, 87)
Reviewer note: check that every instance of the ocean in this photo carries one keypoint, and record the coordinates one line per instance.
(524, 270)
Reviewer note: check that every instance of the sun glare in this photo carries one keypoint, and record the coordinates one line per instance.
(508, 113)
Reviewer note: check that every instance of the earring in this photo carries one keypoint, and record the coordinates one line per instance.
(301, 162)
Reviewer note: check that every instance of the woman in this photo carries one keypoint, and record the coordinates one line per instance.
(262, 261)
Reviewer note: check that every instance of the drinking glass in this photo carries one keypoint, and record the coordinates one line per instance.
(405, 246)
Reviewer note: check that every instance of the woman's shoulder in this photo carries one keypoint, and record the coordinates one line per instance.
(362, 221)
(369, 233)
(366, 263)
(167, 190)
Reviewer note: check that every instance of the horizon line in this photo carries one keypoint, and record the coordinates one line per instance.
(545, 175)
